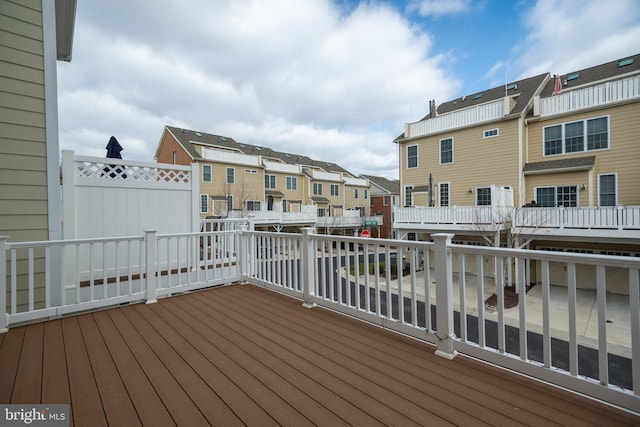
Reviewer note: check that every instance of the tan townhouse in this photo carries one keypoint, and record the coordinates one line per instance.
(280, 190)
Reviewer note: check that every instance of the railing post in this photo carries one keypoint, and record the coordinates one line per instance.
(243, 253)
(620, 217)
(3, 284)
(444, 295)
(151, 267)
(307, 261)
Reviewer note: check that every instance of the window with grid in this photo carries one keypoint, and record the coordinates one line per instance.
(321, 212)
(412, 156)
(355, 193)
(444, 194)
(574, 137)
(483, 196)
(317, 189)
(607, 192)
(446, 151)
(206, 173)
(553, 140)
(598, 133)
(567, 196)
(292, 183)
(204, 203)
(408, 196)
(385, 200)
(253, 205)
(229, 203)
(366, 194)
(334, 189)
(231, 175)
(269, 181)
(546, 197)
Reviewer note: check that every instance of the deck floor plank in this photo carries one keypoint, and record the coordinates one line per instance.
(174, 397)
(177, 360)
(149, 407)
(55, 378)
(115, 400)
(85, 402)
(244, 355)
(29, 375)
(10, 353)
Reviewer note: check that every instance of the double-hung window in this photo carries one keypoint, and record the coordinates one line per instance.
(231, 175)
(412, 156)
(334, 190)
(269, 181)
(446, 151)
(355, 193)
(206, 173)
(253, 205)
(607, 189)
(292, 183)
(317, 189)
(366, 193)
(204, 203)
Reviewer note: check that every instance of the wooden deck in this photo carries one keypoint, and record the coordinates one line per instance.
(244, 355)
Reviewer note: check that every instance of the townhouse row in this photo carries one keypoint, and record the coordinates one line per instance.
(278, 189)
(545, 162)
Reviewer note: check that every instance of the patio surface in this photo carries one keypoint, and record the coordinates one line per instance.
(242, 355)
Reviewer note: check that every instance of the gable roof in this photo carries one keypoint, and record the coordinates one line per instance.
(597, 74)
(392, 186)
(187, 138)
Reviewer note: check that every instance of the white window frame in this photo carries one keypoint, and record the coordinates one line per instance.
(317, 189)
(489, 133)
(490, 195)
(204, 198)
(585, 136)
(366, 194)
(335, 187)
(232, 176)
(292, 183)
(440, 185)
(555, 193)
(416, 156)
(410, 195)
(355, 193)
(204, 174)
(229, 203)
(270, 180)
(440, 151)
(254, 204)
(615, 183)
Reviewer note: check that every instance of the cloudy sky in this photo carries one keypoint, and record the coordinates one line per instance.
(332, 79)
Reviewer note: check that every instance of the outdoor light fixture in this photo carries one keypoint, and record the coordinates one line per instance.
(584, 187)
(470, 191)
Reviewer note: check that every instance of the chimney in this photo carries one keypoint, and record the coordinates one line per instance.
(432, 109)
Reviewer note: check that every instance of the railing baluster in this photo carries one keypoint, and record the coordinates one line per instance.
(462, 263)
(601, 292)
(387, 260)
(47, 276)
(573, 313)
(427, 289)
(367, 297)
(500, 297)
(14, 282)
(31, 280)
(546, 313)
(480, 290)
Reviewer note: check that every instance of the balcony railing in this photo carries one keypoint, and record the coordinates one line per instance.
(469, 116)
(610, 218)
(443, 282)
(604, 94)
(229, 157)
(307, 216)
(349, 221)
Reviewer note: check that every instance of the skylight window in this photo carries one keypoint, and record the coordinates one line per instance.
(198, 134)
(573, 77)
(625, 62)
(478, 96)
(222, 138)
(512, 86)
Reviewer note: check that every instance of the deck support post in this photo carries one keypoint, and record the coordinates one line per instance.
(3, 284)
(244, 255)
(308, 258)
(151, 268)
(444, 296)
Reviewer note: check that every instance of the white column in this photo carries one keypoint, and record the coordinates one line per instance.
(306, 263)
(151, 267)
(444, 295)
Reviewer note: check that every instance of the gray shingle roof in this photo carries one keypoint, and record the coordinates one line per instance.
(186, 136)
(595, 74)
(575, 163)
(390, 185)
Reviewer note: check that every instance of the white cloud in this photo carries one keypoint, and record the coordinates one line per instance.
(438, 8)
(295, 76)
(563, 36)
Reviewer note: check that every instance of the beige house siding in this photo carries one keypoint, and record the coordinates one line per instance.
(23, 164)
(621, 157)
(477, 162)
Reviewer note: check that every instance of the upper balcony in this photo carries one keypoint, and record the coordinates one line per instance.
(458, 119)
(281, 167)
(230, 157)
(591, 97)
(325, 176)
(361, 182)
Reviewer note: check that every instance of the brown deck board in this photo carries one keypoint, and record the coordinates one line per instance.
(28, 377)
(244, 355)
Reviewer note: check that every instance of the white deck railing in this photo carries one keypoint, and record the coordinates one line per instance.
(603, 94)
(478, 114)
(441, 282)
(611, 218)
